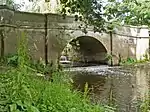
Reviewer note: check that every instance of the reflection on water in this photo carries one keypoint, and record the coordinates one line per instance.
(121, 87)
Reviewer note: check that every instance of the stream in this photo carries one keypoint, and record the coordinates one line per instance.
(121, 87)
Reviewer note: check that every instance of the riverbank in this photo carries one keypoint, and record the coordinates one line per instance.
(22, 91)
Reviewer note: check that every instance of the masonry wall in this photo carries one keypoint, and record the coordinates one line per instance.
(58, 32)
(31, 24)
(134, 40)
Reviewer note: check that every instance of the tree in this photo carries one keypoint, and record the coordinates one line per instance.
(89, 11)
(40, 6)
(131, 12)
(104, 15)
(11, 4)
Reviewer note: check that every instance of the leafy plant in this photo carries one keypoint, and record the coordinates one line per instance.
(128, 61)
(13, 60)
(145, 105)
(21, 90)
(108, 57)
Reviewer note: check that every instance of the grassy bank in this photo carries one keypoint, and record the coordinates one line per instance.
(23, 91)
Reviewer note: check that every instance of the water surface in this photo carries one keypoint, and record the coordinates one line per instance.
(121, 87)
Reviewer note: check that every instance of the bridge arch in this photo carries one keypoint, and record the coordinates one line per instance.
(86, 49)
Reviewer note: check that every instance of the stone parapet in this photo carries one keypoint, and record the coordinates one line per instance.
(6, 15)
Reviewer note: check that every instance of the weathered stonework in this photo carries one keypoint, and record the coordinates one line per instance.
(61, 31)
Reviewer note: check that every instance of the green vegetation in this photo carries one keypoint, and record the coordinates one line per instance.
(145, 106)
(108, 13)
(21, 90)
(132, 61)
(128, 61)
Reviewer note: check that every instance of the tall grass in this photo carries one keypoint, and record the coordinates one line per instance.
(21, 90)
(33, 94)
(145, 105)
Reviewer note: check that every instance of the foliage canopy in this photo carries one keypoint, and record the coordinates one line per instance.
(103, 15)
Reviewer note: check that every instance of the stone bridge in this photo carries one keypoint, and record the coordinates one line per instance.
(48, 34)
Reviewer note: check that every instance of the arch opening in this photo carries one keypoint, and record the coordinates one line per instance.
(85, 51)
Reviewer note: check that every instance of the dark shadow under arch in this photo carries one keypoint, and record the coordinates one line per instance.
(91, 51)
